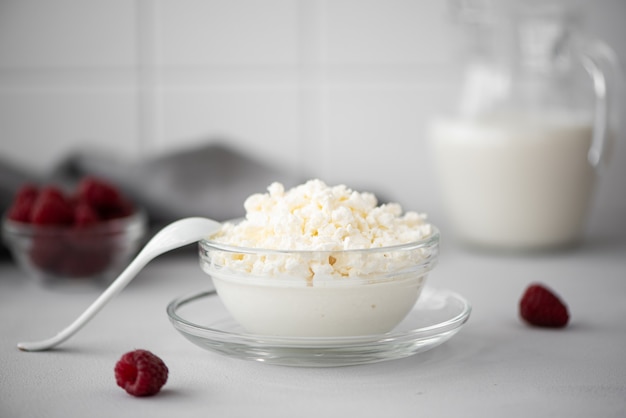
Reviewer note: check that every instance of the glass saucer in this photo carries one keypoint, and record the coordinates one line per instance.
(436, 317)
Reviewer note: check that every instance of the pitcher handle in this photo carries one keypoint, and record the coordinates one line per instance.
(603, 66)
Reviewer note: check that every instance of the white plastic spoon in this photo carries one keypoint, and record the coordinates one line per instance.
(174, 235)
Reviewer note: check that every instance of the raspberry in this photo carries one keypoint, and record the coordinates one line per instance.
(52, 208)
(85, 215)
(22, 206)
(541, 307)
(103, 197)
(141, 373)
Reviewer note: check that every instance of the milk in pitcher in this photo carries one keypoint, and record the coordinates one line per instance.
(515, 181)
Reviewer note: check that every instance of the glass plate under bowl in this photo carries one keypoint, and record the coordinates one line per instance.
(436, 317)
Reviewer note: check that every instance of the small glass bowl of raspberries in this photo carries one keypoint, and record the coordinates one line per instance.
(88, 233)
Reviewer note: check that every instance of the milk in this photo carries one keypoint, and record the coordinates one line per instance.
(516, 181)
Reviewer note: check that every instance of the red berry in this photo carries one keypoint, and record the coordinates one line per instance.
(141, 373)
(22, 206)
(541, 307)
(52, 208)
(85, 215)
(102, 196)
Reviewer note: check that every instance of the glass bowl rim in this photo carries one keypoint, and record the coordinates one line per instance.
(431, 241)
(135, 221)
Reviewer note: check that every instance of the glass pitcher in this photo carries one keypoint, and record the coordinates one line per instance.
(535, 120)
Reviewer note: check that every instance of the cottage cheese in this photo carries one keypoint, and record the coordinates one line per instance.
(316, 217)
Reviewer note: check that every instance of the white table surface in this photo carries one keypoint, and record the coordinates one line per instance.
(494, 367)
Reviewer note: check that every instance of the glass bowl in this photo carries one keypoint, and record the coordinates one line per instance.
(95, 253)
(319, 293)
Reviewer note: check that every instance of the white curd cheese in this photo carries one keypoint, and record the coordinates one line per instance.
(316, 217)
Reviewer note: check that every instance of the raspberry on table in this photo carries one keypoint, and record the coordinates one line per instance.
(141, 373)
(541, 307)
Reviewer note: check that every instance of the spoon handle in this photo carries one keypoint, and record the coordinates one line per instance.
(114, 288)
(175, 235)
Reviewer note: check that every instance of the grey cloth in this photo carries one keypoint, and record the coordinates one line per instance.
(211, 180)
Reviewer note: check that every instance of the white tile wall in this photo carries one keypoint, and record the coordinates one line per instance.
(67, 78)
(67, 34)
(228, 33)
(340, 89)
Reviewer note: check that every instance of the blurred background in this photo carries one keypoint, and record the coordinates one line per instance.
(342, 90)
